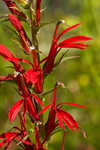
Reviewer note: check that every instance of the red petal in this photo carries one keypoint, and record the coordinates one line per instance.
(73, 45)
(66, 30)
(25, 61)
(8, 137)
(31, 108)
(14, 110)
(77, 38)
(38, 100)
(5, 52)
(34, 77)
(43, 110)
(15, 22)
(2, 142)
(77, 105)
(66, 122)
(69, 117)
(22, 140)
(60, 120)
(5, 78)
(14, 59)
(49, 64)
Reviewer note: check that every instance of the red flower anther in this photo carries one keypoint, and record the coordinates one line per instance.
(20, 135)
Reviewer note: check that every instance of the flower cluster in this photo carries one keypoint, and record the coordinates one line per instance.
(30, 82)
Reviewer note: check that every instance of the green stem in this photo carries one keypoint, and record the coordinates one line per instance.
(47, 92)
(34, 30)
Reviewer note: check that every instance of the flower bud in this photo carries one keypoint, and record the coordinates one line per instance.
(25, 3)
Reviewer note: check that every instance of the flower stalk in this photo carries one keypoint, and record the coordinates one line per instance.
(30, 82)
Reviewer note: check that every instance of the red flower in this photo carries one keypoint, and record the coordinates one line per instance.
(20, 78)
(25, 42)
(14, 9)
(34, 76)
(72, 42)
(61, 115)
(5, 78)
(4, 52)
(38, 4)
(20, 135)
(27, 101)
(7, 138)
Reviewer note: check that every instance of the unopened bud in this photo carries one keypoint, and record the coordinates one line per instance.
(60, 21)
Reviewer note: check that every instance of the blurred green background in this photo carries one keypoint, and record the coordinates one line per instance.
(81, 76)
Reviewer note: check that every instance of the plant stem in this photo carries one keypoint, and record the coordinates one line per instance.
(34, 30)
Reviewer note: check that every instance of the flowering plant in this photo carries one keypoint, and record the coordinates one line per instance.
(30, 82)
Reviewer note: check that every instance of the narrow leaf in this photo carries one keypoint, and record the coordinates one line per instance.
(77, 105)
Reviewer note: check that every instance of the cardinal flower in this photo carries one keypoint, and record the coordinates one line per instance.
(4, 52)
(34, 76)
(27, 101)
(19, 76)
(20, 135)
(61, 115)
(25, 42)
(71, 42)
(14, 9)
